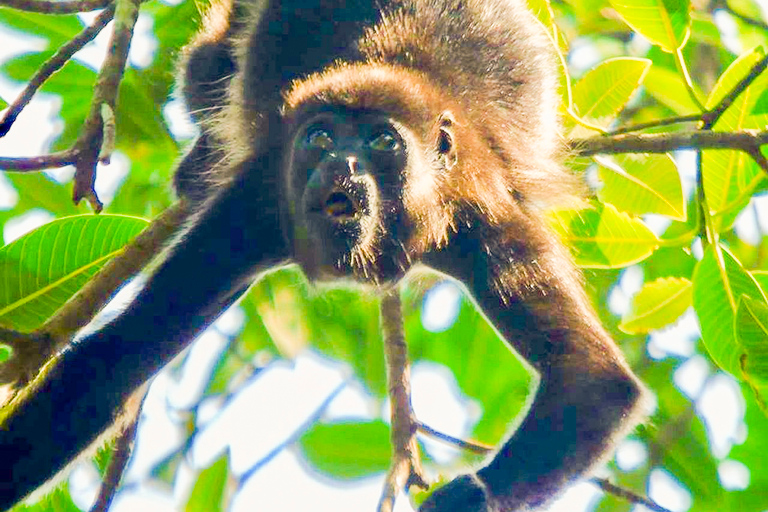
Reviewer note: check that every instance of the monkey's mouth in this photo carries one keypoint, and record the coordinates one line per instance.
(340, 207)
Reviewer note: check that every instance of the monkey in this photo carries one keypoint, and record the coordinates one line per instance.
(359, 139)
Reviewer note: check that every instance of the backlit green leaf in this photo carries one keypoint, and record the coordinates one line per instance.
(719, 282)
(41, 270)
(641, 184)
(604, 90)
(348, 449)
(730, 175)
(602, 237)
(657, 304)
(665, 23)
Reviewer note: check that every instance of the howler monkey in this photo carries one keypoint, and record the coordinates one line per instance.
(359, 138)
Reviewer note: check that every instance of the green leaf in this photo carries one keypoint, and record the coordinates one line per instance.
(640, 184)
(719, 281)
(761, 276)
(41, 270)
(657, 304)
(668, 88)
(665, 23)
(5, 353)
(761, 104)
(348, 449)
(730, 175)
(604, 90)
(139, 118)
(56, 29)
(602, 237)
(752, 334)
(208, 493)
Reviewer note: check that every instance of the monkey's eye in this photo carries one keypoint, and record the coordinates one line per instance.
(383, 141)
(319, 138)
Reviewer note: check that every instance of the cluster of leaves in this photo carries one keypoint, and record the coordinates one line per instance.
(658, 64)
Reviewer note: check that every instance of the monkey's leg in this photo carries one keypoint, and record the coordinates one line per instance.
(587, 397)
(80, 397)
(209, 65)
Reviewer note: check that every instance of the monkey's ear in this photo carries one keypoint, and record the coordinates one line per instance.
(446, 141)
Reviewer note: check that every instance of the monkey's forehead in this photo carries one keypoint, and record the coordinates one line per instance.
(403, 94)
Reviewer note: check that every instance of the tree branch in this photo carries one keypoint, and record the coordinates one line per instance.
(744, 140)
(52, 65)
(120, 455)
(406, 465)
(49, 7)
(713, 115)
(89, 142)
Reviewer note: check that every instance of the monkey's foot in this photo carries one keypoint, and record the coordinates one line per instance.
(405, 471)
(466, 493)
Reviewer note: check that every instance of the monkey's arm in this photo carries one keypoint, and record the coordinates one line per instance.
(527, 287)
(237, 234)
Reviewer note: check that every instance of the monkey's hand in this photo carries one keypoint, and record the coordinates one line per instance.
(466, 493)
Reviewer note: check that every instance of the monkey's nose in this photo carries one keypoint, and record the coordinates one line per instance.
(339, 206)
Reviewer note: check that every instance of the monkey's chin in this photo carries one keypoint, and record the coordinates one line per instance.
(369, 277)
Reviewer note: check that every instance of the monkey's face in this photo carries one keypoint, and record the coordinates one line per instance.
(344, 182)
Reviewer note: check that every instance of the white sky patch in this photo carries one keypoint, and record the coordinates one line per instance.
(631, 454)
(664, 489)
(733, 475)
(441, 306)
(439, 403)
(722, 408)
(691, 376)
(24, 223)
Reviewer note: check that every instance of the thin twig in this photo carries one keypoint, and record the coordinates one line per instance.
(49, 7)
(626, 494)
(89, 142)
(656, 124)
(682, 68)
(52, 65)
(758, 157)
(743, 140)
(32, 350)
(406, 465)
(120, 457)
(604, 484)
(472, 446)
(713, 115)
(36, 163)
(296, 434)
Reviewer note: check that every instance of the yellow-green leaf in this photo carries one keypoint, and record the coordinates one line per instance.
(731, 175)
(605, 89)
(665, 23)
(668, 87)
(348, 449)
(752, 333)
(719, 281)
(208, 493)
(658, 304)
(602, 237)
(640, 184)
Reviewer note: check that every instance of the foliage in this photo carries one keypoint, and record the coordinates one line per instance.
(678, 219)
